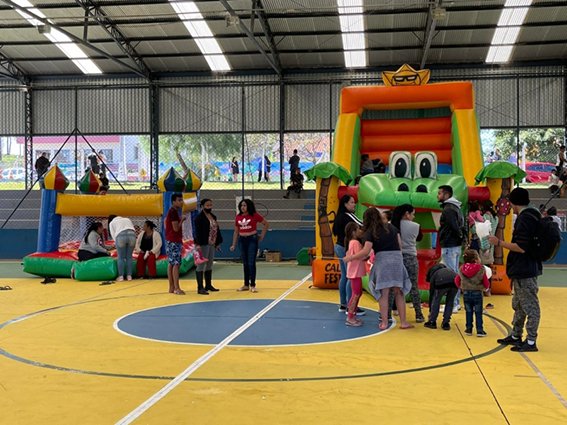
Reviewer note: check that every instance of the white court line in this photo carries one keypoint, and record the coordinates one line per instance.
(538, 372)
(138, 411)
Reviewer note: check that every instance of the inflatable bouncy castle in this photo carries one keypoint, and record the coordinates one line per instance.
(426, 135)
(64, 218)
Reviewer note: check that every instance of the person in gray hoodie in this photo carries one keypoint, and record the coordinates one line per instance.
(451, 232)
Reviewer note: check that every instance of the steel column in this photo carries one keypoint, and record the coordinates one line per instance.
(28, 141)
(154, 134)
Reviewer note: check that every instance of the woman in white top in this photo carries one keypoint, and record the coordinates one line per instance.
(122, 231)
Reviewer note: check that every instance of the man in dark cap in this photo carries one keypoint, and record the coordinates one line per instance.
(523, 270)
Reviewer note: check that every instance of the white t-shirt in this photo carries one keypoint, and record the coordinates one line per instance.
(409, 230)
(118, 225)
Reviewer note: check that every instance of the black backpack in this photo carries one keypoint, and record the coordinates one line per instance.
(546, 240)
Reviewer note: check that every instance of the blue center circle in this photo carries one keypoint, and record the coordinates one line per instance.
(288, 323)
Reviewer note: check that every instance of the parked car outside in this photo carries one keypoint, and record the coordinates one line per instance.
(538, 172)
(14, 174)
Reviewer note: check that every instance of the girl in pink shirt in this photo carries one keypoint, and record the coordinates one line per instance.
(355, 270)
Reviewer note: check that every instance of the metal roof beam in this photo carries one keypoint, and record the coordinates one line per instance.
(110, 28)
(259, 9)
(250, 35)
(10, 70)
(314, 11)
(293, 33)
(303, 51)
(429, 31)
(73, 37)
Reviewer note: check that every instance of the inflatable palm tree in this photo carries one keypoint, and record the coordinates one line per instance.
(328, 176)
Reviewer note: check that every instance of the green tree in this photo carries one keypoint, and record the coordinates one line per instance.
(536, 144)
(196, 151)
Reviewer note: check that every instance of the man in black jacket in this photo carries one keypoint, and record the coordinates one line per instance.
(451, 232)
(523, 270)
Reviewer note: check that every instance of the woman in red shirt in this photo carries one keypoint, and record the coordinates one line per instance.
(246, 234)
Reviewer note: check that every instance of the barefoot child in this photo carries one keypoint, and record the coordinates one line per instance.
(473, 281)
(355, 270)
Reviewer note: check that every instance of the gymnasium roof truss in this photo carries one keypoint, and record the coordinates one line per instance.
(96, 12)
(258, 10)
(74, 38)
(250, 35)
(429, 30)
(10, 70)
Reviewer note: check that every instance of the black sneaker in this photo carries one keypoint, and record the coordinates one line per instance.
(419, 319)
(343, 308)
(509, 340)
(524, 347)
(481, 334)
(468, 331)
(446, 326)
(430, 325)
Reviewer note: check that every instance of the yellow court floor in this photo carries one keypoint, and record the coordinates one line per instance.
(64, 362)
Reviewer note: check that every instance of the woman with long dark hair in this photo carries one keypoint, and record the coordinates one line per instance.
(91, 245)
(148, 247)
(208, 239)
(410, 234)
(345, 215)
(388, 273)
(246, 235)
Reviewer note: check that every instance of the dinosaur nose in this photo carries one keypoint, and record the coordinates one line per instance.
(403, 188)
(421, 188)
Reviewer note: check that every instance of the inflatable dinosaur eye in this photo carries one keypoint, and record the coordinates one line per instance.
(425, 165)
(400, 164)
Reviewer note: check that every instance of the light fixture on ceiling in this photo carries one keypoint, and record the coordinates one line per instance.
(44, 29)
(439, 13)
(231, 21)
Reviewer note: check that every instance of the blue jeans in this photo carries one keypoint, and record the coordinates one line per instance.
(344, 283)
(473, 304)
(248, 250)
(125, 243)
(450, 258)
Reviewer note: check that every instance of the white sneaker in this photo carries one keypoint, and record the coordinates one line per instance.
(120, 279)
(128, 277)
(456, 309)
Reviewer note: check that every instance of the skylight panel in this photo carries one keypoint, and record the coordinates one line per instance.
(352, 27)
(64, 43)
(499, 54)
(193, 20)
(508, 29)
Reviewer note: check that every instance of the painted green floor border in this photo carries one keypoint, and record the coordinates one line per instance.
(287, 270)
(553, 276)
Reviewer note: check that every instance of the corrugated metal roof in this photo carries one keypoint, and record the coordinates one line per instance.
(306, 32)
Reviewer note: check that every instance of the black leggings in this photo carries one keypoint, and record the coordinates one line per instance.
(85, 255)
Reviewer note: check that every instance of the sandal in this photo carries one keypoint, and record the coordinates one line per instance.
(354, 323)
(179, 292)
(47, 280)
(383, 326)
(408, 326)
(5, 288)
